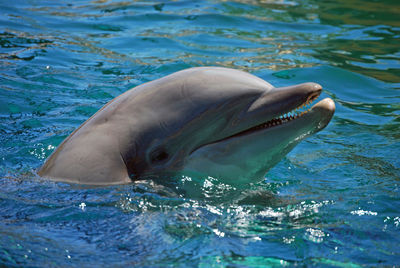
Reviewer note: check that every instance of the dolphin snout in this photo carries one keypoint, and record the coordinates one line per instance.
(281, 100)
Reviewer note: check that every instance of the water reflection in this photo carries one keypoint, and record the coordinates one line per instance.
(60, 62)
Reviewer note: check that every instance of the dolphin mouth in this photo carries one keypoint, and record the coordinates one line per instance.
(283, 118)
(295, 106)
(296, 113)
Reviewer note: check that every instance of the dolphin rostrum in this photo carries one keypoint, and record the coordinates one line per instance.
(214, 121)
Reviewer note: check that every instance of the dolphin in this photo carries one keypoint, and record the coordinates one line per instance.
(214, 121)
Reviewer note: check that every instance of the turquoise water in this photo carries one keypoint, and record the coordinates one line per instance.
(333, 201)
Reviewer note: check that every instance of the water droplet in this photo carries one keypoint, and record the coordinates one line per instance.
(82, 206)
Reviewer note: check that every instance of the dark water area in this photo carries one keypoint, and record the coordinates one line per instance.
(333, 201)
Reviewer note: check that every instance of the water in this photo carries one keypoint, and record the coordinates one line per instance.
(333, 201)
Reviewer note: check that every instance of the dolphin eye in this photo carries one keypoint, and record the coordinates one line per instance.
(158, 156)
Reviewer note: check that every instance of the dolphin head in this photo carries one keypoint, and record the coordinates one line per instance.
(218, 122)
(212, 121)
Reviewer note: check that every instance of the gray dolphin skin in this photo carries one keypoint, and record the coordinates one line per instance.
(212, 121)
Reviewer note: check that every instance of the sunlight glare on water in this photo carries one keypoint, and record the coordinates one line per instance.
(333, 201)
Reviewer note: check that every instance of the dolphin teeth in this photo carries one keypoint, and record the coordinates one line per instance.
(288, 116)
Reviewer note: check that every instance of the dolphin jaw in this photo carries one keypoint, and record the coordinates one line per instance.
(287, 117)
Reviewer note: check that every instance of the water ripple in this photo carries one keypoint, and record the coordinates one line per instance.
(60, 62)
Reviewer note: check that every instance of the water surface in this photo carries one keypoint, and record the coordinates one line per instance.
(334, 200)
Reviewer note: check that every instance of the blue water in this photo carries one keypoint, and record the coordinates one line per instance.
(333, 201)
